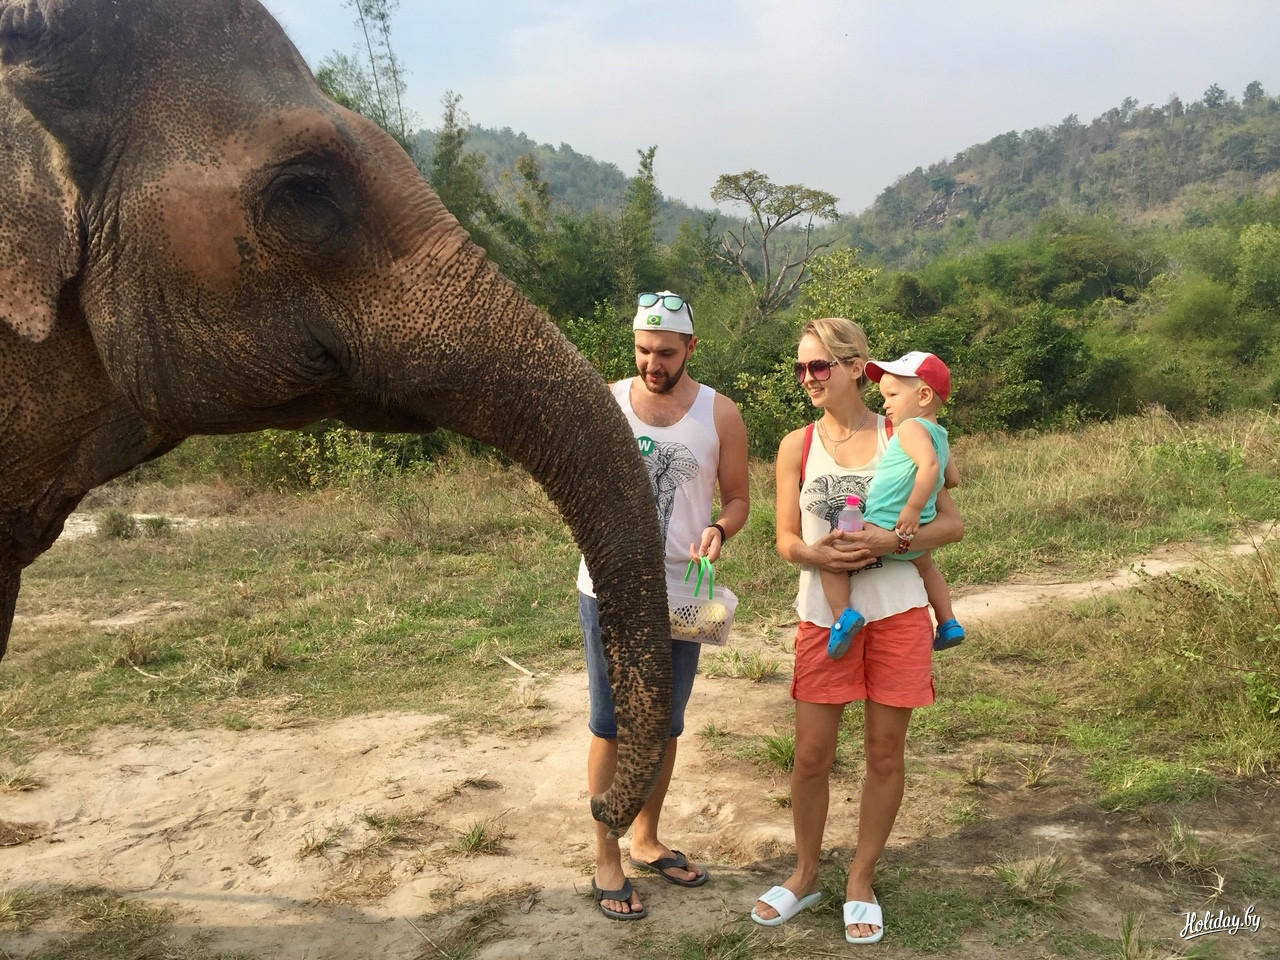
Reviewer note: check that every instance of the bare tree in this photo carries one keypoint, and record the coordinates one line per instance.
(773, 268)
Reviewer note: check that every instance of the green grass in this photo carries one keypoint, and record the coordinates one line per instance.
(16, 781)
(715, 736)
(20, 908)
(320, 842)
(484, 837)
(777, 751)
(755, 666)
(330, 600)
(1080, 503)
(730, 943)
(926, 917)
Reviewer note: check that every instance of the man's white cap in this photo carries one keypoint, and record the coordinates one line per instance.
(660, 317)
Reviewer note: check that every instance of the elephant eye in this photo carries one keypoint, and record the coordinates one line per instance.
(303, 208)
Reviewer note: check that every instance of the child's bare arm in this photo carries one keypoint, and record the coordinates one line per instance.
(951, 476)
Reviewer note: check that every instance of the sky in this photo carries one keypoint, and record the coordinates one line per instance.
(843, 96)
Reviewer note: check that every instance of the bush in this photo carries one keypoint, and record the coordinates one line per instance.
(115, 524)
(326, 455)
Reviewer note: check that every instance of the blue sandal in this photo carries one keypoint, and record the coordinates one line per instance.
(950, 634)
(842, 631)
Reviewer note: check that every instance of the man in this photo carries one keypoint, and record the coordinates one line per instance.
(692, 439)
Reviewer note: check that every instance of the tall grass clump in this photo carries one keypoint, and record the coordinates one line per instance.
(1203, 650)
(1044, 881)
(115, 524)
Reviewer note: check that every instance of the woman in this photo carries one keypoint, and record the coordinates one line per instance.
(890, 662)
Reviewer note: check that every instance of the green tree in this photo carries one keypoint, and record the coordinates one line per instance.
(374, 85)
(346, 81)
(838, 285)
(1215, 97)
(756, 250)
(571, 264)
(639, 268)
(1023, 376)
(458, 178)
(1258, 276)
(374, 19)
(690, 264)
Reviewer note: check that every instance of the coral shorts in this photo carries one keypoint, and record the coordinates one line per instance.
(889, 662)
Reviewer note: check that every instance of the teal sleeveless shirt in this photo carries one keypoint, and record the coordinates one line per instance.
(895, 477)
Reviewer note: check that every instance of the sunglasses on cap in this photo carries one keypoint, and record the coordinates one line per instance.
(670, 301)
(818, 369)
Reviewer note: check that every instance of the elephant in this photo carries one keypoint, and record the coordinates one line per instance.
(195, 239)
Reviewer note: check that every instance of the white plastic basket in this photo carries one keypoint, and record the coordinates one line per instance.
(702, 613)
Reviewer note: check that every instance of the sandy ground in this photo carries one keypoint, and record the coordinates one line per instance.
(216, 824)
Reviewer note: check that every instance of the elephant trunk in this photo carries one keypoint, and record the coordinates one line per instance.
(9, 582)
(510, 378)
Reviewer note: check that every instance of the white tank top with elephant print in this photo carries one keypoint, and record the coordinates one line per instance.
(683, 461)
(875, 592)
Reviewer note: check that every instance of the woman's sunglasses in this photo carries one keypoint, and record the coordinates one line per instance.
(818, 369)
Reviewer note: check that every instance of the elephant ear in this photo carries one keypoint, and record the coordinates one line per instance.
(102, 76)
(40, 232)
(67, 63)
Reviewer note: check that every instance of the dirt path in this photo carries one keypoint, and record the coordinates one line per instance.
(215, 823)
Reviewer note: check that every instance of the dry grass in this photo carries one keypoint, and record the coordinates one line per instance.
(322, 841)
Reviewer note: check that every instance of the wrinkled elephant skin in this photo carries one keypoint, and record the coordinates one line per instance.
(197, 240)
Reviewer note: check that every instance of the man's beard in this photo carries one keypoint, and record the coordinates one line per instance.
(668, 384)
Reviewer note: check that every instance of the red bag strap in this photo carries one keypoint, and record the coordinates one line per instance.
(804, 453)
(888, 428)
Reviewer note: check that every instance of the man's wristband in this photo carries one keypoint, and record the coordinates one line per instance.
(724, 537)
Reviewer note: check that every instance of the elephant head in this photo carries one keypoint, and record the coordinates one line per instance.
(195, 239)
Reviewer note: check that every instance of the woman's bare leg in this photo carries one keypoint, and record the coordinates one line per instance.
(885, 741)
(817, 727)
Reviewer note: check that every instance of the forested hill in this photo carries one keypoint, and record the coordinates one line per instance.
(1140, 164)
(579, 184)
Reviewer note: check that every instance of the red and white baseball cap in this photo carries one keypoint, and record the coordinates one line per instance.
(917, 363)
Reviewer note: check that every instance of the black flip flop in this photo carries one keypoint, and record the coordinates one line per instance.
(676, 861)
(622, 895)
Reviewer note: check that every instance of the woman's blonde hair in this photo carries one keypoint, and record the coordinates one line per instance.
(843, 338)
